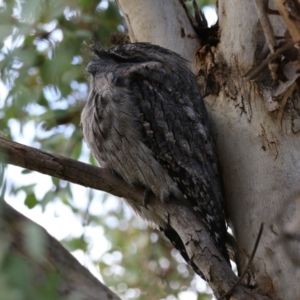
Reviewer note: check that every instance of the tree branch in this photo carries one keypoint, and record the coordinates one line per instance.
(75, 281)
(193, 233)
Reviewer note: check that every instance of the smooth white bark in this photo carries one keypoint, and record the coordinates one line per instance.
(163, 23)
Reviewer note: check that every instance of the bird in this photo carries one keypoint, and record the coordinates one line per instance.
(146, 121)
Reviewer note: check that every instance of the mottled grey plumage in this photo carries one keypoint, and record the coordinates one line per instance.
(145, 120)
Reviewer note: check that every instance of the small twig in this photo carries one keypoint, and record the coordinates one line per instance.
(188, 13)
(255, 71)
(248, 264)
(207, 35)
(262, 11)
(199, 15)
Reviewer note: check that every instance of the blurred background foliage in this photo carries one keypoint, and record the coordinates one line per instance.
(44, 48)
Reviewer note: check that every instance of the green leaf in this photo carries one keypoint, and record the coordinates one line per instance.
(30, 201)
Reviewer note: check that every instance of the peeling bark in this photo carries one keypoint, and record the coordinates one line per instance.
(258, 147)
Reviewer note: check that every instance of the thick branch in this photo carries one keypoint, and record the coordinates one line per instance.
(63, 168)
(76, 282)
(191, 230)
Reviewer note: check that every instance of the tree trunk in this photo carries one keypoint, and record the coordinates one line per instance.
(162, 23)
(257, 126)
